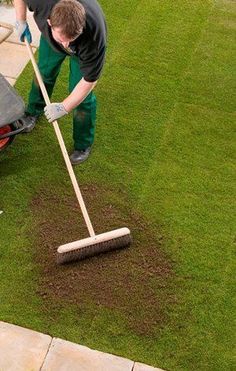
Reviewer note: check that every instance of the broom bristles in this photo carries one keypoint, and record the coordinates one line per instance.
(95, 245)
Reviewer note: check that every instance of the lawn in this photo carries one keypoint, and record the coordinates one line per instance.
(163, 164)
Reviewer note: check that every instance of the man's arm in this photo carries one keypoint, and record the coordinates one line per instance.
(54, 111)
(22, 27)
(80, 92)
(20, 8)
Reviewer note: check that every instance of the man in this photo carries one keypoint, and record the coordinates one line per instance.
(68, 28)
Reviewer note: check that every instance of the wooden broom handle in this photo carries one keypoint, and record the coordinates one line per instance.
(62, 144)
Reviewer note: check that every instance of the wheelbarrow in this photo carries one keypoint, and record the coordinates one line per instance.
(12, 108)
(11, 104)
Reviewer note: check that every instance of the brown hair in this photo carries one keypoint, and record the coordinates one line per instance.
(69, 15)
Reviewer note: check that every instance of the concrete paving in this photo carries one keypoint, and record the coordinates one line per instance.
(142, 367)
(22, 349)
(13, 54)
(14, 60)
(7, 15)
(64, 355)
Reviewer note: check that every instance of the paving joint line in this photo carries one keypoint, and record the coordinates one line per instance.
(49, 346)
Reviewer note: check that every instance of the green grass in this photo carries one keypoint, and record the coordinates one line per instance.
(165, 135)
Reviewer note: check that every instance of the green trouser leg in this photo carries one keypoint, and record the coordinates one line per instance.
(49, 64)
(84, 116)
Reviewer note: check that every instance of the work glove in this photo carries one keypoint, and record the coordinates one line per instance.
(23, 31)
(54, 111)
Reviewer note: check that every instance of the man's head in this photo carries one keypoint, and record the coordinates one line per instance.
(67, 20)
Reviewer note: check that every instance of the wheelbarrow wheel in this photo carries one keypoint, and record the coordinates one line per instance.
(4, 143)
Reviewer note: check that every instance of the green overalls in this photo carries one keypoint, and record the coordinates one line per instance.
(84, 115)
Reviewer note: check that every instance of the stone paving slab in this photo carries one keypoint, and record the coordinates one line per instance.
(142, 367)
(13, 54)
(67, 356)
(26, 350)
(22, 349)
(13, 59)
(4, 33)
(7, 15)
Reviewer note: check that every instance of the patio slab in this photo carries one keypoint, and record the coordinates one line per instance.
(14, 55)
(7, 15)
(22, 349)
(4, 33)
(14, 60)
(67, 356)
(142, 367)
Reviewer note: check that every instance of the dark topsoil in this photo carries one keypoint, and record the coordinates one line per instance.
(135, 281)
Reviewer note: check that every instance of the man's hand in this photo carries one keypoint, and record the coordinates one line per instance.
(23, 31)
(54, 111)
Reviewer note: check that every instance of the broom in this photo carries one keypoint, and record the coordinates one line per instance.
(95, 244)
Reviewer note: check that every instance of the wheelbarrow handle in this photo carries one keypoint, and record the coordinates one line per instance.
(12, 133)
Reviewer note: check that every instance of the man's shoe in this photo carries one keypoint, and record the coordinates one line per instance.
(80, 156)
(28, 122)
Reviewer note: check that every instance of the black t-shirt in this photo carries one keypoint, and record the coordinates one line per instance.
(89, 47)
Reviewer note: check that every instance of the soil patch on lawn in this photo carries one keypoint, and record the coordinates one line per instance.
(134, 281)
